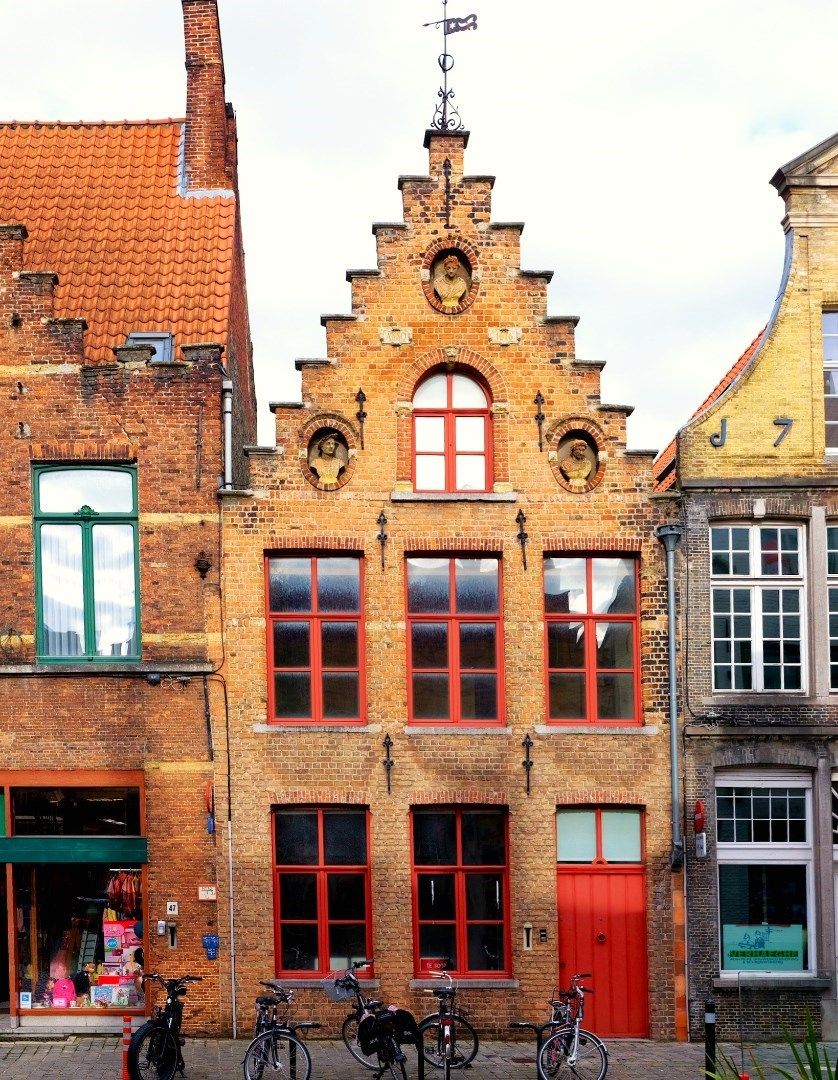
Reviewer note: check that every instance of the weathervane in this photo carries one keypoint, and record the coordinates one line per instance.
(446, 117)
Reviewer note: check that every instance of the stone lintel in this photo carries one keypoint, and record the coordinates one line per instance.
(642, 453)
(552, 320)
(350, 274)
(275, 406)
(321, 361)
(337, 318)
(546, 274)
(594, 365)
(627, 410)
(255, 451)
(732, 483)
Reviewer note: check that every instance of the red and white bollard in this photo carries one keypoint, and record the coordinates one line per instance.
(126, 1042)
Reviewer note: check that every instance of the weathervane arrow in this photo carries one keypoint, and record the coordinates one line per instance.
(446, 117)
(454, 25)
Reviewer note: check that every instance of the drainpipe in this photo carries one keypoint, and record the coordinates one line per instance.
(227, 405)
(669, 536)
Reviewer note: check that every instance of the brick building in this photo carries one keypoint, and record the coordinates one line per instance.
(755, 473)
(449, 554)
(121, 296)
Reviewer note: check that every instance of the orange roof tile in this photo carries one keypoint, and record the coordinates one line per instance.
(103, 209)
(663, 468)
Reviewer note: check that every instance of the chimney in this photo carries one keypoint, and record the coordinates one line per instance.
(206, 161)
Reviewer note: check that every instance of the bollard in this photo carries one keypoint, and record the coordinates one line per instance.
(126, 1042)
(710, 1035)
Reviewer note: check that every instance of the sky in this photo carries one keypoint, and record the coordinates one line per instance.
(636, 140)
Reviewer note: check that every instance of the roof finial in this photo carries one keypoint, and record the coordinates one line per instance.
(446, 117)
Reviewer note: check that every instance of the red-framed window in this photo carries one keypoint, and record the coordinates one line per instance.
(451, 434)
(315, 638)
(591, 608)
(321, 888)
(455, 645)
(600, 836)
(461, 890)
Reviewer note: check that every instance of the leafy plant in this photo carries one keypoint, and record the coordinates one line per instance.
(810, 1059)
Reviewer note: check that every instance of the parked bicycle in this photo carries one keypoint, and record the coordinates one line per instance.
(570, 1052)
(348, 988)
(448, 1039)
(155, 1047)
(276, 1048)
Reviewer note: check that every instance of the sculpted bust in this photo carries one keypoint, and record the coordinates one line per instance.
(576, 466)
(450, 283)
(328, 460)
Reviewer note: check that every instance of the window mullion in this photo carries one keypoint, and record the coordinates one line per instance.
(88, 588)
(756, 638)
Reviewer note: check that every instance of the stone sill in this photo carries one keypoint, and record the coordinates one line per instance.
(596, 729)
(414, 730)
(454, 496)
(775, 982)
(224, 493)
(127, 667)
(270, 729)
(316, 983)
(467, 984)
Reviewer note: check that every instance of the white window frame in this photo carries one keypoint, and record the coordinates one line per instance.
(828, 365)
(744, 853)
(756, 585)
(163, 344)
(832, 583)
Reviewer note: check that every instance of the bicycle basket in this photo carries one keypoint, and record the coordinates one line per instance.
(336, 993)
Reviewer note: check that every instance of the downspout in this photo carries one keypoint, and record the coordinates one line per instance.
(227, 407)
(670, 536)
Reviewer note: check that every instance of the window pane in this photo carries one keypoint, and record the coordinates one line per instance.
(432, 394)
(484, 838)
(430, 697)
(436, 896)
(430, 473)
(434, 838)
(470, 472)
(467, 394)
(430, 433)
(484, 896)
(470, 433)
(830, 375)
(477, 645)
(339, 644)
(290, 584)
(832, 436)
(428, 587)
(296, 838)
(76, 811)
(438, 943)
(565, 588)
(615, 645)
(346, 945)
(339, 584)
(829, 322)
(62, 592)
(485, 948)
(344, 838)
(615, 697)
(613, 586)
(299, 948)
(114, 593)
(298, 896)
(477, 586)
(347, 896)
(292, 695)
(576, 831)
(478, 697)
(565, 645)
(567, 697)
(340, 696)
(429, 645)
(621, 835)
(764, 917)
(291, 644)
(65, 491)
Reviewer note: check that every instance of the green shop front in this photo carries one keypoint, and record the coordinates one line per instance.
(73, 856)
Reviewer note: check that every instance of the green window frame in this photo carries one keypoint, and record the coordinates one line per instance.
(90, 550)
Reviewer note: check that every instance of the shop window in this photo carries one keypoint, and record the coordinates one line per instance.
(455, 644)
(757, 623)
(451, 434)
(764, 845)
(592, 639)
(322, 888)
(832, 573)
(460, 891)
(86, 563)
(599, 835)
(76, 811)
(315, 643)
(829, 323)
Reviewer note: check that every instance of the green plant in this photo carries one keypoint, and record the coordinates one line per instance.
(810, 1059)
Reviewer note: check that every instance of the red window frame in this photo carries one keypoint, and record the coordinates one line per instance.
(321, 870)
(315, 619)
(599, 859)
(589, 620)
(461, 871)
(453, 621)
(449, 415)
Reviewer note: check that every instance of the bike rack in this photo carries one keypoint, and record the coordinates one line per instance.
(292, 1055)
(539, 1030)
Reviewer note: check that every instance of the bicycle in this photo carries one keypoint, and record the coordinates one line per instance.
(448, 1039)
(155, 1047)
(276, 1049)
(382, 1033)
(570, 1051)
(343, 989)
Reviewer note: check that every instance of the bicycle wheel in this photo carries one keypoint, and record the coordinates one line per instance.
(392, 1068)
(270, 1054)
(466, 1043)
(152, 1053)
(349, 1034)
(555, 1059)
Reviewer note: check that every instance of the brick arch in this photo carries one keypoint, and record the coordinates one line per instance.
(306, 433)
(767, 756)
(463, 358)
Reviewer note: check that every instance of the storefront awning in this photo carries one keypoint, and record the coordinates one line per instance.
(117, 851)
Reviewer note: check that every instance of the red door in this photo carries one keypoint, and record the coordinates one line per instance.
(602, 926)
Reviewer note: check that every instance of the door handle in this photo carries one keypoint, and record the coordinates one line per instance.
(601, 938)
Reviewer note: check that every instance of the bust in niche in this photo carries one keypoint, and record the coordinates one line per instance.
(451, 282)
(577, 464)
(328, 458)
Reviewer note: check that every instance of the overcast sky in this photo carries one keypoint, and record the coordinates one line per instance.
(636, 140)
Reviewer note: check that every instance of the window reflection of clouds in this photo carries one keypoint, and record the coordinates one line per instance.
(65, 491)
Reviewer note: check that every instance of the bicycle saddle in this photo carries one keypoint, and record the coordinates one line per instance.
(269, 1000)
(373, 1005)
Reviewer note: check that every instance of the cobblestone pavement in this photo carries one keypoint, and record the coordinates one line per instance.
(80, 1058)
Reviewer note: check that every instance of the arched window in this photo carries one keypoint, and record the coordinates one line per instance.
(451, 434)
